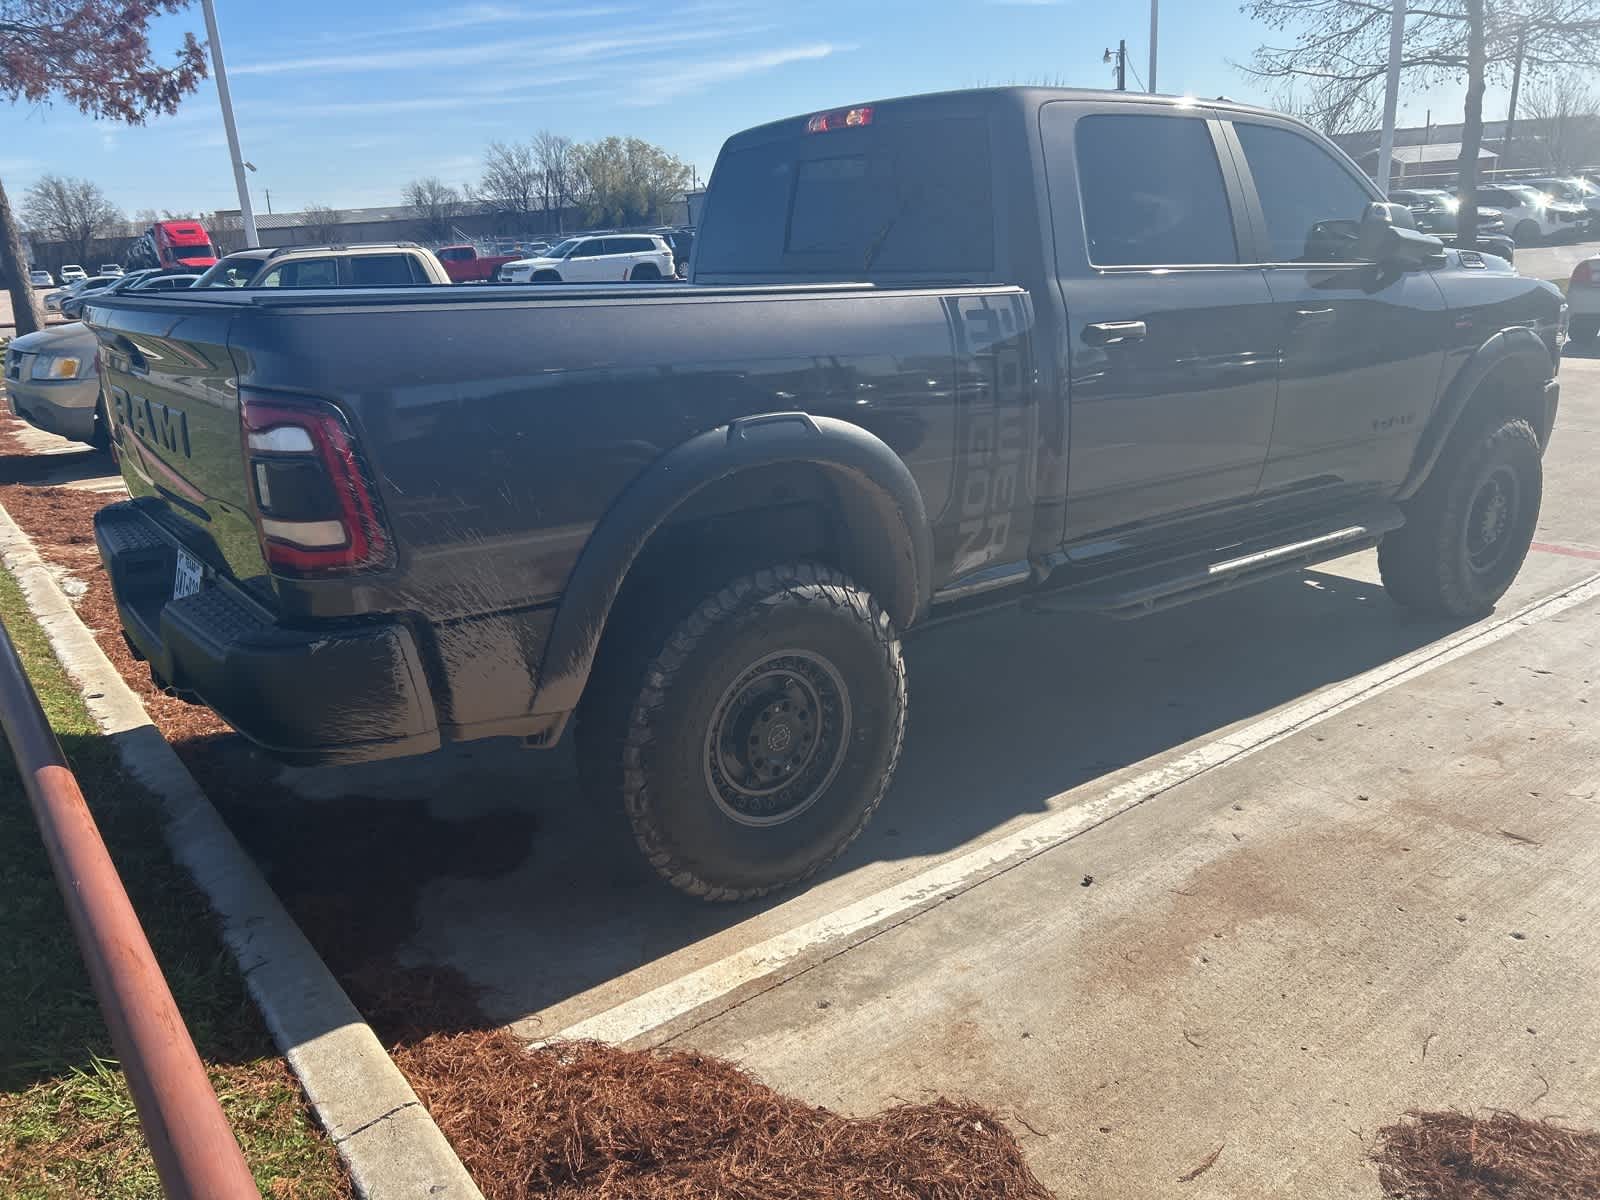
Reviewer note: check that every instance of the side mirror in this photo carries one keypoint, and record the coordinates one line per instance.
(1388, 234)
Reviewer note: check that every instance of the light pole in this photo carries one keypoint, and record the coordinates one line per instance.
(1391, 93)
(1120, 57)
(1155, 25)
(247, 214)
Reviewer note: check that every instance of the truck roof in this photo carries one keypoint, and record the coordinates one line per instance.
(1021, 97)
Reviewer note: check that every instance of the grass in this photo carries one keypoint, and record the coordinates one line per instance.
(68, 1127)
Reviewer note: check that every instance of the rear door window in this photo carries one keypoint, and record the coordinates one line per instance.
(379, 270)
(1152, 192)
(1312, 202)
(893, 197)
(304, 273)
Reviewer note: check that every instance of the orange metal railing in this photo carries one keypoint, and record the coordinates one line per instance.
(195, 1151)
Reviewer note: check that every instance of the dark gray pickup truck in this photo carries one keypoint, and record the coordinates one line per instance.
(1101, 352)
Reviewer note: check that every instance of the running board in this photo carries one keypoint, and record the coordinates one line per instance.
(1138, 593)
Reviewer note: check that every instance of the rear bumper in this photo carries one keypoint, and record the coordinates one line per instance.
(340, 693)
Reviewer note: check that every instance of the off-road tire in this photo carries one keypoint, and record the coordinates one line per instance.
(660, 693)
(1427, 564)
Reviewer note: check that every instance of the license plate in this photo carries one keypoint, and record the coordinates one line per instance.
(187, 580)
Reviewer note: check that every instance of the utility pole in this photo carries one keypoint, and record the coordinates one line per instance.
(269, 201)
(1155, 24)
(1120, 57)
(1391, 94)
(1511, 105)
(247, 214)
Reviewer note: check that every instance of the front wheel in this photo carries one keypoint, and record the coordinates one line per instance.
(754, 742)
(1584, 331)
(1469, 528)
(1526, 233)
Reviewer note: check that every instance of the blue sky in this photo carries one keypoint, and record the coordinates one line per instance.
(341, 102)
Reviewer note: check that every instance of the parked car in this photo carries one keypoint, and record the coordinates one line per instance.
(463, 264)
(110, 269)
(373, 264)
(38, 277)
(1584, 193)
(53, 300)
(1435, 212)
(698, 518)
(1530, 216)
(53, 377)
(73, 273)
(1583, 301)
(157, 280)
(616, 258)
(173, 244)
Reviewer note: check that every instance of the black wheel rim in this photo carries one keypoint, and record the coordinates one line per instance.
(1491, 518)
(777, 738)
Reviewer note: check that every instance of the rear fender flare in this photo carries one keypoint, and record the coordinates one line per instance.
(870, 477)
(1518, 349)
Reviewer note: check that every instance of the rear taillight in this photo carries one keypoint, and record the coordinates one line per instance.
(315, 509)
(1586, 274)
(840, 118)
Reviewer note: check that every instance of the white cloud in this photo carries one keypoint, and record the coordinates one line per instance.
(534, 51)
(467, 16)
(668, 85)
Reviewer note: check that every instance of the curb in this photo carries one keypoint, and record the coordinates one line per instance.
(388, 1141)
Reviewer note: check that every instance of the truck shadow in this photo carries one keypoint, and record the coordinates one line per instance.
(487, 859)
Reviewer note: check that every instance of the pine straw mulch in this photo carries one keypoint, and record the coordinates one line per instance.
(1499, 1156)
(587, 1120)
(580, 1120)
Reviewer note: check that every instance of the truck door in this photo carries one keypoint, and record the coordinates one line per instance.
(1361, 346)
(1171, 342)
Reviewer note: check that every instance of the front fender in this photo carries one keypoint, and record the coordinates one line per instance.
(1517, 350)
(885, 502)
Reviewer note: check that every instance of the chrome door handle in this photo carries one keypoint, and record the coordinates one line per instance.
(1113, 333)
(1313, 316)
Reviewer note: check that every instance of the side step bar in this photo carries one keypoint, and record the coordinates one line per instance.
(1137, 593)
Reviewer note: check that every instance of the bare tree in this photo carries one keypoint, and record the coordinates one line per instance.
(321, 223)
(1568, 111)
(74, 212)
(511, 182)
(96, 55)
(560, 179)
(1338, 50)
(438, 206)
(1352, 112)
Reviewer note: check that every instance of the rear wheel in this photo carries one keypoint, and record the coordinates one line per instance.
(1526, 233)
(1585, 331)
(1469, 528)
(645, 273)
(753, 739)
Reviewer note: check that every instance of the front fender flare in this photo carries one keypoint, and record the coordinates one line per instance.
(1518, 349)
(862, 466)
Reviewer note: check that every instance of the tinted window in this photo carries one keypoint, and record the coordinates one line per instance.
(587, 249)
(1152, 192)
(1311, 201)
(892, 197)
(231, 272)
(456, 254)
(378, 270)
(637, 245)
(308, 272)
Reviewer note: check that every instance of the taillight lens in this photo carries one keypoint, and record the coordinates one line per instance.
(316, 512)
(1585, 274)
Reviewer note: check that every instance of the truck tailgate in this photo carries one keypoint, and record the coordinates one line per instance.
(173, 397)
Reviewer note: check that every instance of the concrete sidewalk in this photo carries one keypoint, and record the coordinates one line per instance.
(1395, 908)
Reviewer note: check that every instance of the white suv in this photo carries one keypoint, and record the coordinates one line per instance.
(612, 258)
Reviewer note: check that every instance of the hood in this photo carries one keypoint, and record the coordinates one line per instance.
(75, 338)
(538, 260)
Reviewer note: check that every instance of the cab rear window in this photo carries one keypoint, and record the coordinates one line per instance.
(906, 197)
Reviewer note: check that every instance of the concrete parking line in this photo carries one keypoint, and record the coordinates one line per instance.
(835, 932)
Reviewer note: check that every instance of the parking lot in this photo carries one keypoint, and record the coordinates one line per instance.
(1242, 875)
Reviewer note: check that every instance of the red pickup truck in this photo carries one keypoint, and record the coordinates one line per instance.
(465, 265)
